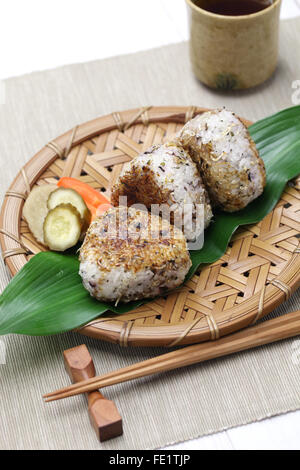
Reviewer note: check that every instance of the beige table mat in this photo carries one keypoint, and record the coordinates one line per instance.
(178, 405)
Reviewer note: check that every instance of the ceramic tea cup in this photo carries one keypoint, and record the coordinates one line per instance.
(233, 52)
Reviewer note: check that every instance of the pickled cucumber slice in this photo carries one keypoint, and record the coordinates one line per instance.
(69, 196)
(62, 227)
(35, 209)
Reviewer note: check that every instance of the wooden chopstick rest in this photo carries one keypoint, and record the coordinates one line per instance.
(103, 413)
(277, 329)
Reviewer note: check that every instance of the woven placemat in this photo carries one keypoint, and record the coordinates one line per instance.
(178, 405)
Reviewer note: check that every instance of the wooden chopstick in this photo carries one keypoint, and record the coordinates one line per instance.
(268, 332)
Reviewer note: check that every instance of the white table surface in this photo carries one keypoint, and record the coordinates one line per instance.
(38, 35)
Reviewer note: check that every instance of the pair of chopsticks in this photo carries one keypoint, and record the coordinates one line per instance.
(268, 332)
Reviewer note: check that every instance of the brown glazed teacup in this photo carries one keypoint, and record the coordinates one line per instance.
(233, 52)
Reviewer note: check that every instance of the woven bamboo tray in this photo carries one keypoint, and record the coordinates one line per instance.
(259, 270)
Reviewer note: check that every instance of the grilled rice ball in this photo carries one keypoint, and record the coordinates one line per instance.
(130, 254)
(227, 158)
(166, 174)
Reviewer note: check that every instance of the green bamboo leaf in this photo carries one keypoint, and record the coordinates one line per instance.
(278, 140)
(47, 296)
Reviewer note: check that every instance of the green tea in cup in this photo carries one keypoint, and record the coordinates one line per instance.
(235, 7)
(234, 43)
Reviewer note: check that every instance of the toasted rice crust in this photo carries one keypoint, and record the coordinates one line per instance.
(228, 161)
(165, 174)
(135, 264)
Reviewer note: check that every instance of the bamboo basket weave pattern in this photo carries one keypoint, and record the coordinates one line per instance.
(259, 270)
